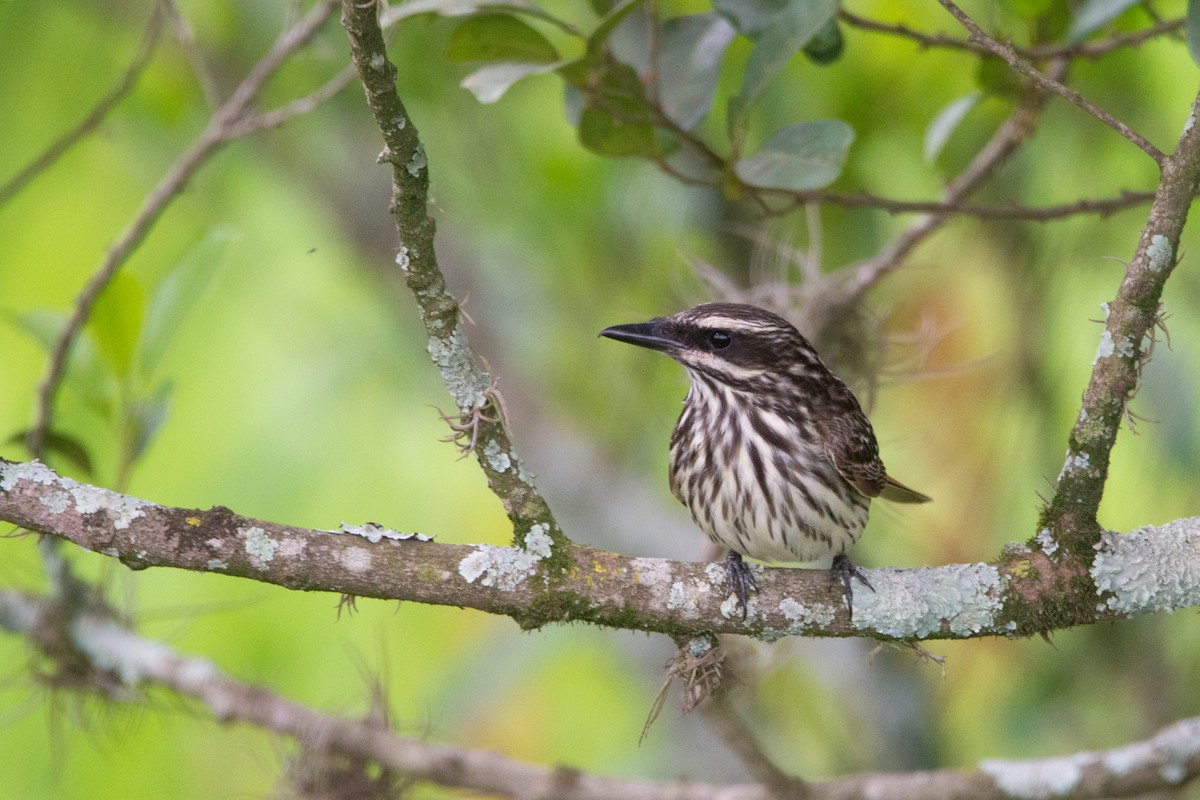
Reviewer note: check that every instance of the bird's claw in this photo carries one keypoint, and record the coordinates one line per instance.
(846, 572)
(741, 579)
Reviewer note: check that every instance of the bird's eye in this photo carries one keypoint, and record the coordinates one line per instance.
(719, 340)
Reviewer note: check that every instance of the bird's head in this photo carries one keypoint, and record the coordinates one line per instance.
(733, 343)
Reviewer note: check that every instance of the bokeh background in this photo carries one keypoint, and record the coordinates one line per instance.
(300, 391)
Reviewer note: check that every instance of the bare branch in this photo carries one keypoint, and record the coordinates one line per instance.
(1102, 206)
(94, 117)
(187, 41)
(121, 658)
(1049, 84)
(1016, 129)
(473, 390)
(218, 132)
(1088, 50)
(302, 105)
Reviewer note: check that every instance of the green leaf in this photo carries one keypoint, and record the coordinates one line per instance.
(116, 322)
(86, 374)
(489, 83)
(690, 53)
(599, 37)
(826, 46)
(750, 17)
(1193, 29)
(146, 417)
(601, 133)
(180, 291)
(944, 124)
(1095, 14)
(498, 37)
(64, 446)
(799, 158)
(790, 30)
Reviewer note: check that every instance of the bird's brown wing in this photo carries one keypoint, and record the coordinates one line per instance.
(850, 446)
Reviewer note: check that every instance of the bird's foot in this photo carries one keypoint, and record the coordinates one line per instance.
(846, 572)
(741, 579)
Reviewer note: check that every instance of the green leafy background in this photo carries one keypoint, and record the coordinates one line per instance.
(259, 352)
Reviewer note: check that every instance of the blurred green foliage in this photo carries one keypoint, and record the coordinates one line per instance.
(259, 352)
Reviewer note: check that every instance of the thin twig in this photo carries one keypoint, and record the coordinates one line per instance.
(1048, 84)
(1016, 129)
(220, 129)
(1088, 50)
(731, 729)
(302, 105)
(1102, 206)
(187, 41)
(94, 117)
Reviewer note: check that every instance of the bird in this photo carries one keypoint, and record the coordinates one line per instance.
(772, 453)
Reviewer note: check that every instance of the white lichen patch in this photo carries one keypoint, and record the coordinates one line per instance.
(402, 259)
(1160, 253)
(731, 607)
(496, 458)
(418, 161)
(1105, 348)
(1047, 542)
(1037, 780)
(1079, 462)
(466, 384)
(121, 509)
(1126, 347)
(650, 571)
(259, 546)
(217, 564)
(374, 533)
(803, 616)
(917, 602)
(506, 568)
(1150, 569)
(58, 502)
(356, 559)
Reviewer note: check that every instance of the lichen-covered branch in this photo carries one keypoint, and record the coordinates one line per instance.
(121, 663)
(480, 421)
(1026, 591)
(1125, 346)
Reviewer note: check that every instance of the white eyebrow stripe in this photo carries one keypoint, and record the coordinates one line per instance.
(730, 322)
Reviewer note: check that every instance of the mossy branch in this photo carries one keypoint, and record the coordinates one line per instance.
(480, 422)
(1025, 591)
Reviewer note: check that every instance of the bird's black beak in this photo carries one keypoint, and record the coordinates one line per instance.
(650, 334)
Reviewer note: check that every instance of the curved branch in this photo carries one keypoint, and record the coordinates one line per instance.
(1089, 50)
(129, 79)
(120, 659)
(1026, 591)
(220, 129)
(480, 426)
(1104, 206)
(1125, 346)
(1049, 84)
(1018, 127)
